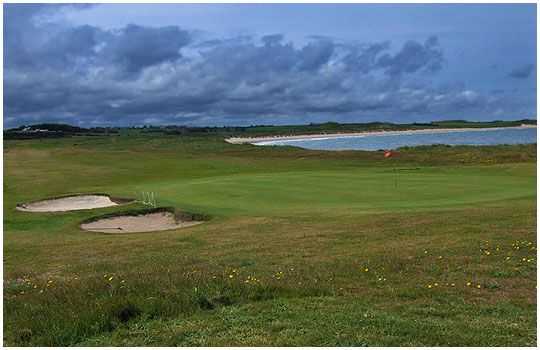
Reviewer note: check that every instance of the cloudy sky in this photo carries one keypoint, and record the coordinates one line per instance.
(220, 64)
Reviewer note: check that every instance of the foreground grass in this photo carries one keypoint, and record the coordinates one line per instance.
(332, 321)
(303, 248)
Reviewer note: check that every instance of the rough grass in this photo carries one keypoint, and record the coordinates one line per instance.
(303, 248)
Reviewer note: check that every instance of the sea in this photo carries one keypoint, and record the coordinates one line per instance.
(394, 140)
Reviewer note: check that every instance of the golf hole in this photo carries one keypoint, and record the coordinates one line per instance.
(72, 202)
(150, 220)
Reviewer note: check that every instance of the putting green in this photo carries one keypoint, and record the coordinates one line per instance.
(366, 189)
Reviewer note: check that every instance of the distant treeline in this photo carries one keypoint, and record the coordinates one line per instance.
(329, 127)
(63, 130)
(50, 130)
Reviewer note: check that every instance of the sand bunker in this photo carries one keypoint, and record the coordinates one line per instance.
(159, 221)
(76, 202)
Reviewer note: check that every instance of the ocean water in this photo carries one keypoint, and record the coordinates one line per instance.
(396, 140)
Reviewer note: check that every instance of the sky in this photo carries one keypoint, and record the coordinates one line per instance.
(252, 64)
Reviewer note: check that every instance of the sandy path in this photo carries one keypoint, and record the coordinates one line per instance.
(263, 139)
(68, 203)
(141, 223)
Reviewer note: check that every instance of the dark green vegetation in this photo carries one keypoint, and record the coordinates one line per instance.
(40, 131)
(302, 247)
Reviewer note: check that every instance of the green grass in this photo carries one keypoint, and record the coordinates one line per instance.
(301, 247)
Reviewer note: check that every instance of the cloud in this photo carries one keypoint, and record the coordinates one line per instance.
(88, 75)
(315, 54)
(272, 40)
(363, 57)
(414, 57)
(522, 72)
(136, 47)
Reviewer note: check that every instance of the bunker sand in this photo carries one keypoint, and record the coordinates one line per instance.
(76, 202)
(141, 223)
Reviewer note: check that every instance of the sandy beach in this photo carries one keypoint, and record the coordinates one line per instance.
(269, 139)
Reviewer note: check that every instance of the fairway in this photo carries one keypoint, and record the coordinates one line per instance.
(434, 247)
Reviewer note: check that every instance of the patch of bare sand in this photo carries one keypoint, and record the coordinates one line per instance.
(140, 223)
(68, 203)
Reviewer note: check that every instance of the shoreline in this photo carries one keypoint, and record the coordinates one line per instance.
(264, 140)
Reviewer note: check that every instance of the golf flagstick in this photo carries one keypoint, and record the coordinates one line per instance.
(395, 177)
(390, 154)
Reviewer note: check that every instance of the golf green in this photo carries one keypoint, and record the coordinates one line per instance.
(353, 190)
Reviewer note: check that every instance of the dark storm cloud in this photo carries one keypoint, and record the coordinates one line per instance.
(130, 50)
(522, 72)
(66, 49)
(89, 75)
(136, 47)
(413, 57)
(363, 58)
(272, 40)
(315, 54)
